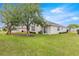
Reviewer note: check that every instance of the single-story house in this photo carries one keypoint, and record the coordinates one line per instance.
(50, 28)
(74, 30)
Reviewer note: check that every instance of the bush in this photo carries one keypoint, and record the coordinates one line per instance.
(4, 29)
(40, 32)
(78, 31)
(32, 32)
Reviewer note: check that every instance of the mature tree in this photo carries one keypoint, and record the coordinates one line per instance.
(72, 26)
(10, 17)
(31, 14)
(25, 14)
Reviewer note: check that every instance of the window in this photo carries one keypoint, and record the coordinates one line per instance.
(58, 29)
(33, 28)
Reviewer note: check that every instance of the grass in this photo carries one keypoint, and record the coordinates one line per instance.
(40, 45)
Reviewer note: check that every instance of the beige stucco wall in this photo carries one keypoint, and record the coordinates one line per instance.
(54, 30)
(49, 29)
(63, 29)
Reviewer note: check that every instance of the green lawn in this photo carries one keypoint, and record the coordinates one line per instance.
(39, 45)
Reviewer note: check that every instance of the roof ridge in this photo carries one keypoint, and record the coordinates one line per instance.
(53, 23)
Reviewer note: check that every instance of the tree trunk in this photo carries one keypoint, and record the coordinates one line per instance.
(9, 29)
(28, 32)
(44, 29)
(8, 32)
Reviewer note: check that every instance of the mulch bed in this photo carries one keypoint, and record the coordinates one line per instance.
(16, 34)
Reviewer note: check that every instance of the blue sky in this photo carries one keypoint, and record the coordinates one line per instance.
(61, 13)
(64, 14)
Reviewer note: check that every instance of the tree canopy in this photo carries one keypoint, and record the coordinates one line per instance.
(18, 14)
(73, 26)
(10, 16)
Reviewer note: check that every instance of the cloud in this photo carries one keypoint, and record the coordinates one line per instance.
(57, 10)
(62, 15)
(75, 18)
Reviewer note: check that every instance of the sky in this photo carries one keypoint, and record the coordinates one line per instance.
(61, 13)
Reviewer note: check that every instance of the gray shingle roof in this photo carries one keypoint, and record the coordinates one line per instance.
(54, 24)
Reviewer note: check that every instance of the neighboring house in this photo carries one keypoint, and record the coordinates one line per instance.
(50, 28)
(74, 30)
